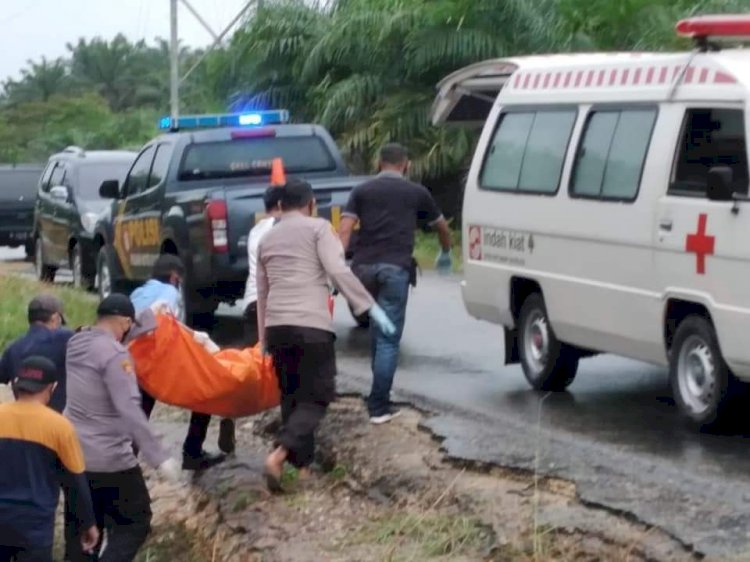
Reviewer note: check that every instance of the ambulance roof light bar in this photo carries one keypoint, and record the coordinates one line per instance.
(245, 119)
(704, 28)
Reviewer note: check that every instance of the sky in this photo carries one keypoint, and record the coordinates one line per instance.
(30, 29)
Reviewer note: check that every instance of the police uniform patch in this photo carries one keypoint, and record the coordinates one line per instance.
(127, 366)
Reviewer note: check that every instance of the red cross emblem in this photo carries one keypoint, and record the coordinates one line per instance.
(475, 242)
(700, 244)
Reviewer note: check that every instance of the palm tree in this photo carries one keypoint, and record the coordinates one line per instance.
(39, 82)
(367, 68)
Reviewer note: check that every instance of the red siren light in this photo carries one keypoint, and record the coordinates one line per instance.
(715, 26)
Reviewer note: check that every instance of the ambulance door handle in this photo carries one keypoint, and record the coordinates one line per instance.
(665, 225)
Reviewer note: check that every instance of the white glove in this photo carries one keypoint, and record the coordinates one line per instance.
(382, 321)
(205, 340)
(170, 470)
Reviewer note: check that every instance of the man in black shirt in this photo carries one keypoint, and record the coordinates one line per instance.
(389, 208)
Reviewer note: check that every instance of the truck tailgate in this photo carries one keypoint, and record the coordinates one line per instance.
(245, 208)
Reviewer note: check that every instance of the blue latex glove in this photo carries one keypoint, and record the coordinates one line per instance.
(382, 321)
(444, 262)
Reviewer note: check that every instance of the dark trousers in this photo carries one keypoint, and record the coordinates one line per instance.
(197, 430)
(250, 322)
(389, 286)
(122, 506)
(305, 363)
(18, 554)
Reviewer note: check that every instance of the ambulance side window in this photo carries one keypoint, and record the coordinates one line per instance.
(528, 151)
(610, 158)
(711, 137)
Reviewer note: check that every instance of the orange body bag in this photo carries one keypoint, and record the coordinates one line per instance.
(175, 369)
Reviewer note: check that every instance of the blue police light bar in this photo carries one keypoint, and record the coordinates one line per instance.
(248, 119)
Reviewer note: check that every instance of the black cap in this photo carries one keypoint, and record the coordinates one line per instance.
(43, 306)
(116, 304)
(36, 372)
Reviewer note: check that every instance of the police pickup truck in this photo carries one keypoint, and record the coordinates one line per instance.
(197, 190)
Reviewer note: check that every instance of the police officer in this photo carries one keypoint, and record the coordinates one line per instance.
(104, 404)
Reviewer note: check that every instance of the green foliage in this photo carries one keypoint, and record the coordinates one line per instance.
(17, 292)
(366, 69)
(106, 94)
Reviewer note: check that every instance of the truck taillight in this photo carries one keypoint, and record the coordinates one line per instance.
(216, 211)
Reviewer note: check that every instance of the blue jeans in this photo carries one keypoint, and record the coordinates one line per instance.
(389, 285)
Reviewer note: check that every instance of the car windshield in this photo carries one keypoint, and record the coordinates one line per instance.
(15, 184)
(254, 156)
(91, 177)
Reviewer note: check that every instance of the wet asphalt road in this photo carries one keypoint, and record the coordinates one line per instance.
(615, 433)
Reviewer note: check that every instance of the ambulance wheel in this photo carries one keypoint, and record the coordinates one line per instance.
(702, 384)
(547, 363)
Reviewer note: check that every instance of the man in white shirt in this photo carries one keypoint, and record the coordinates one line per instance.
(272, 200)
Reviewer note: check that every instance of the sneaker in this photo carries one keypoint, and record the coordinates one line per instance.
(226, 436)
(385, 418)
(201, 462)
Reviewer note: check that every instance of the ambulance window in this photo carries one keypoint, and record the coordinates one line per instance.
(503, 165)
(610, 159)
(712, 137)
(528, 151)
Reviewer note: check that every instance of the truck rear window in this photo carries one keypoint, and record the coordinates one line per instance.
(254, 156)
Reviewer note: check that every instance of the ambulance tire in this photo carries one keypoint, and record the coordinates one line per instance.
(548, 364)
(704, 388)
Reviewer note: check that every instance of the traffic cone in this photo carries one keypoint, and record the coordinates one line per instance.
(278, 176)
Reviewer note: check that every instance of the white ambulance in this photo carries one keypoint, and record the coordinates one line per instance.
(607, 210)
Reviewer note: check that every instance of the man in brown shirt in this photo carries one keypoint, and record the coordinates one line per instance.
(296, 259)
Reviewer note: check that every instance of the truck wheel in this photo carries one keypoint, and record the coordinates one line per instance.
(80, 280)
(106, 283)
(44, 273)
(547, 363)
(198, 311)
(702, 384)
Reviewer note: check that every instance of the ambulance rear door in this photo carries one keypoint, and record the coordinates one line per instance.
(466, 97)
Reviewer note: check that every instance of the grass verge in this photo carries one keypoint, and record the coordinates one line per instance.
(420, 536)
(16, 292)
(173, 543)
(427, 247)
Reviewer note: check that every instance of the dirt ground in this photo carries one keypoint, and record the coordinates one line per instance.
(384, 493)
(380, 494)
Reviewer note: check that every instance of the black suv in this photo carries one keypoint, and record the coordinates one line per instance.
(67, 208)
(17, 193)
